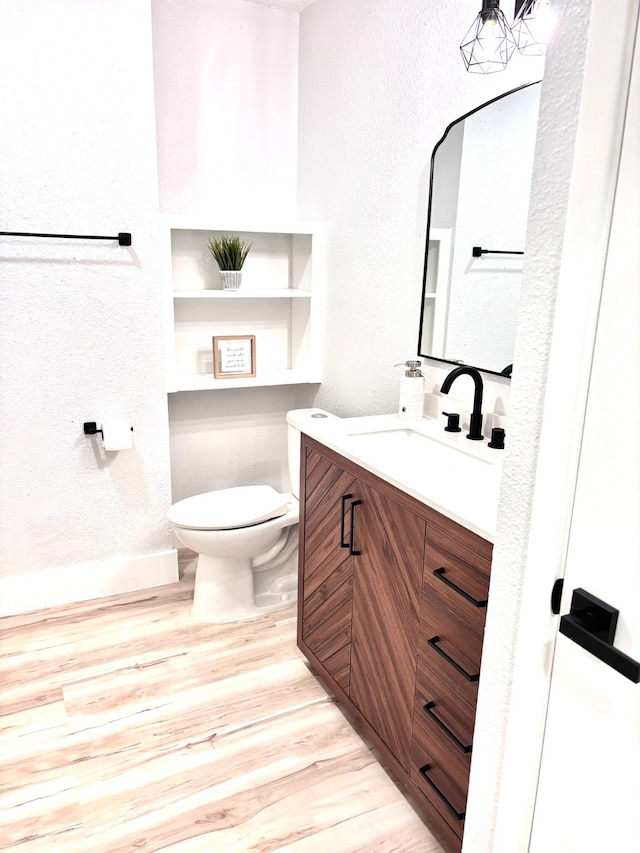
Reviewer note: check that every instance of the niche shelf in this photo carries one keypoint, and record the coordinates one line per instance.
(278, 302)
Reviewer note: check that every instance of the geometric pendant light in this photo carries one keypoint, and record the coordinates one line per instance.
(532, 26)
(489, 44)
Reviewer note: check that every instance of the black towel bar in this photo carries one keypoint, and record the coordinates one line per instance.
(477, 251)
(123, 237)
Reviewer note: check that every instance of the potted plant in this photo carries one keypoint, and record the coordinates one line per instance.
(230, 253)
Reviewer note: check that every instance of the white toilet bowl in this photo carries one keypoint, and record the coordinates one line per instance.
(247, 541)
(246, 538)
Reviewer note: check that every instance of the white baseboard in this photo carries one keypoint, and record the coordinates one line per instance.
(42, 588)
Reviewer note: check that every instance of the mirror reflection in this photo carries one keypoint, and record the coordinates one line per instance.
(478, 199)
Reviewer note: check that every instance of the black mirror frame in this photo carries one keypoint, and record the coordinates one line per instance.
(426, 250)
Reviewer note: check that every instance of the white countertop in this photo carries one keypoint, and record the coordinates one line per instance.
(456, 477)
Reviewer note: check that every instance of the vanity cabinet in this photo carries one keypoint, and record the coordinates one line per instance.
(392, 600)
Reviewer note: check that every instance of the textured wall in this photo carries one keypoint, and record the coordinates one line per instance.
(379, 83)
(80, 322)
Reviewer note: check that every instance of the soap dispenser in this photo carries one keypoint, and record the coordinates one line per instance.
(411, 406)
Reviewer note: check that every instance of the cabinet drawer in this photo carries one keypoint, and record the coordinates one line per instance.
(456, 579)
(445, 673)
(439, 769)
(443, 635)
(463, 545)
(438, 598)
(452, 713)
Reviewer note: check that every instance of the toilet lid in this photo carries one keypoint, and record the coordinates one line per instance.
(225, 509)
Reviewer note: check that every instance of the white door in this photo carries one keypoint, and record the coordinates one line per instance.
(589, 788)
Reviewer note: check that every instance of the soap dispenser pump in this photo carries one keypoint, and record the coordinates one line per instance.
(411, 405)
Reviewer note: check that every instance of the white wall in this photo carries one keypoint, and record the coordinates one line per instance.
(226, 92)
(379, 83)
(80, 322)
(231, 438)
(226, 83)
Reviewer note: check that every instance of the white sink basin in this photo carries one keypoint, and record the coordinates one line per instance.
(414, 458)
(458, 477)
(413, 446)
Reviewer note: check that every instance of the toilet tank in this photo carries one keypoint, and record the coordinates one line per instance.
(295, 419)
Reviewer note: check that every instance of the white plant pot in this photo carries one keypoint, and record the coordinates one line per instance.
(231, 279)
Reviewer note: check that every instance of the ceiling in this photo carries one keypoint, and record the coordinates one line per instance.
(296, 5)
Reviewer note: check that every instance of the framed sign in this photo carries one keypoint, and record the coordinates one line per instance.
(234, 356)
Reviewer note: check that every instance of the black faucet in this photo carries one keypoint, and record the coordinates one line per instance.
(475, 425)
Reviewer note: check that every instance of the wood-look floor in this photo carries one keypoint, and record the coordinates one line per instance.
(125, 726)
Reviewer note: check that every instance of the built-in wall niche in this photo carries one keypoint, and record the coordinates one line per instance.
(278, 302)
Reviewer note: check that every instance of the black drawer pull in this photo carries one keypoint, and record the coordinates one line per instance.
(439, 573)
(428, 708)
(433, 643)
(352, 532)
(345, 498)
(423, 772)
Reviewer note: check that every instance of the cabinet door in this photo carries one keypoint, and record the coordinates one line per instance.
(386, 596)
(327, 578)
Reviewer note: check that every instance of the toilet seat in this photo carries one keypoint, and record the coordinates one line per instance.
(227, 509)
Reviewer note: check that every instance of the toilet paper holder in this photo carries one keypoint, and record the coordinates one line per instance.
(91, 428)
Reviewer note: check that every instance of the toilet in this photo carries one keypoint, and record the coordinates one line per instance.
(246, 539)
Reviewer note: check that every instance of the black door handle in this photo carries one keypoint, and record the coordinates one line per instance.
(591, 623)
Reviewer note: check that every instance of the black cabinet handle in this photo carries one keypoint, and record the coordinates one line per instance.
(423, 772)
(591, 623)
(428, 708)
(433, 643)
(439, 573)
(352, 550)
(345, 498)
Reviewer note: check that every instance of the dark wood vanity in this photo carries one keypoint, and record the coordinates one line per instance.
(392, 604)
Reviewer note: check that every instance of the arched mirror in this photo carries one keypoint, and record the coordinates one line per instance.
(476, 229)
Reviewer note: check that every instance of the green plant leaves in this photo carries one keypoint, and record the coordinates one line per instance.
(230, 252)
